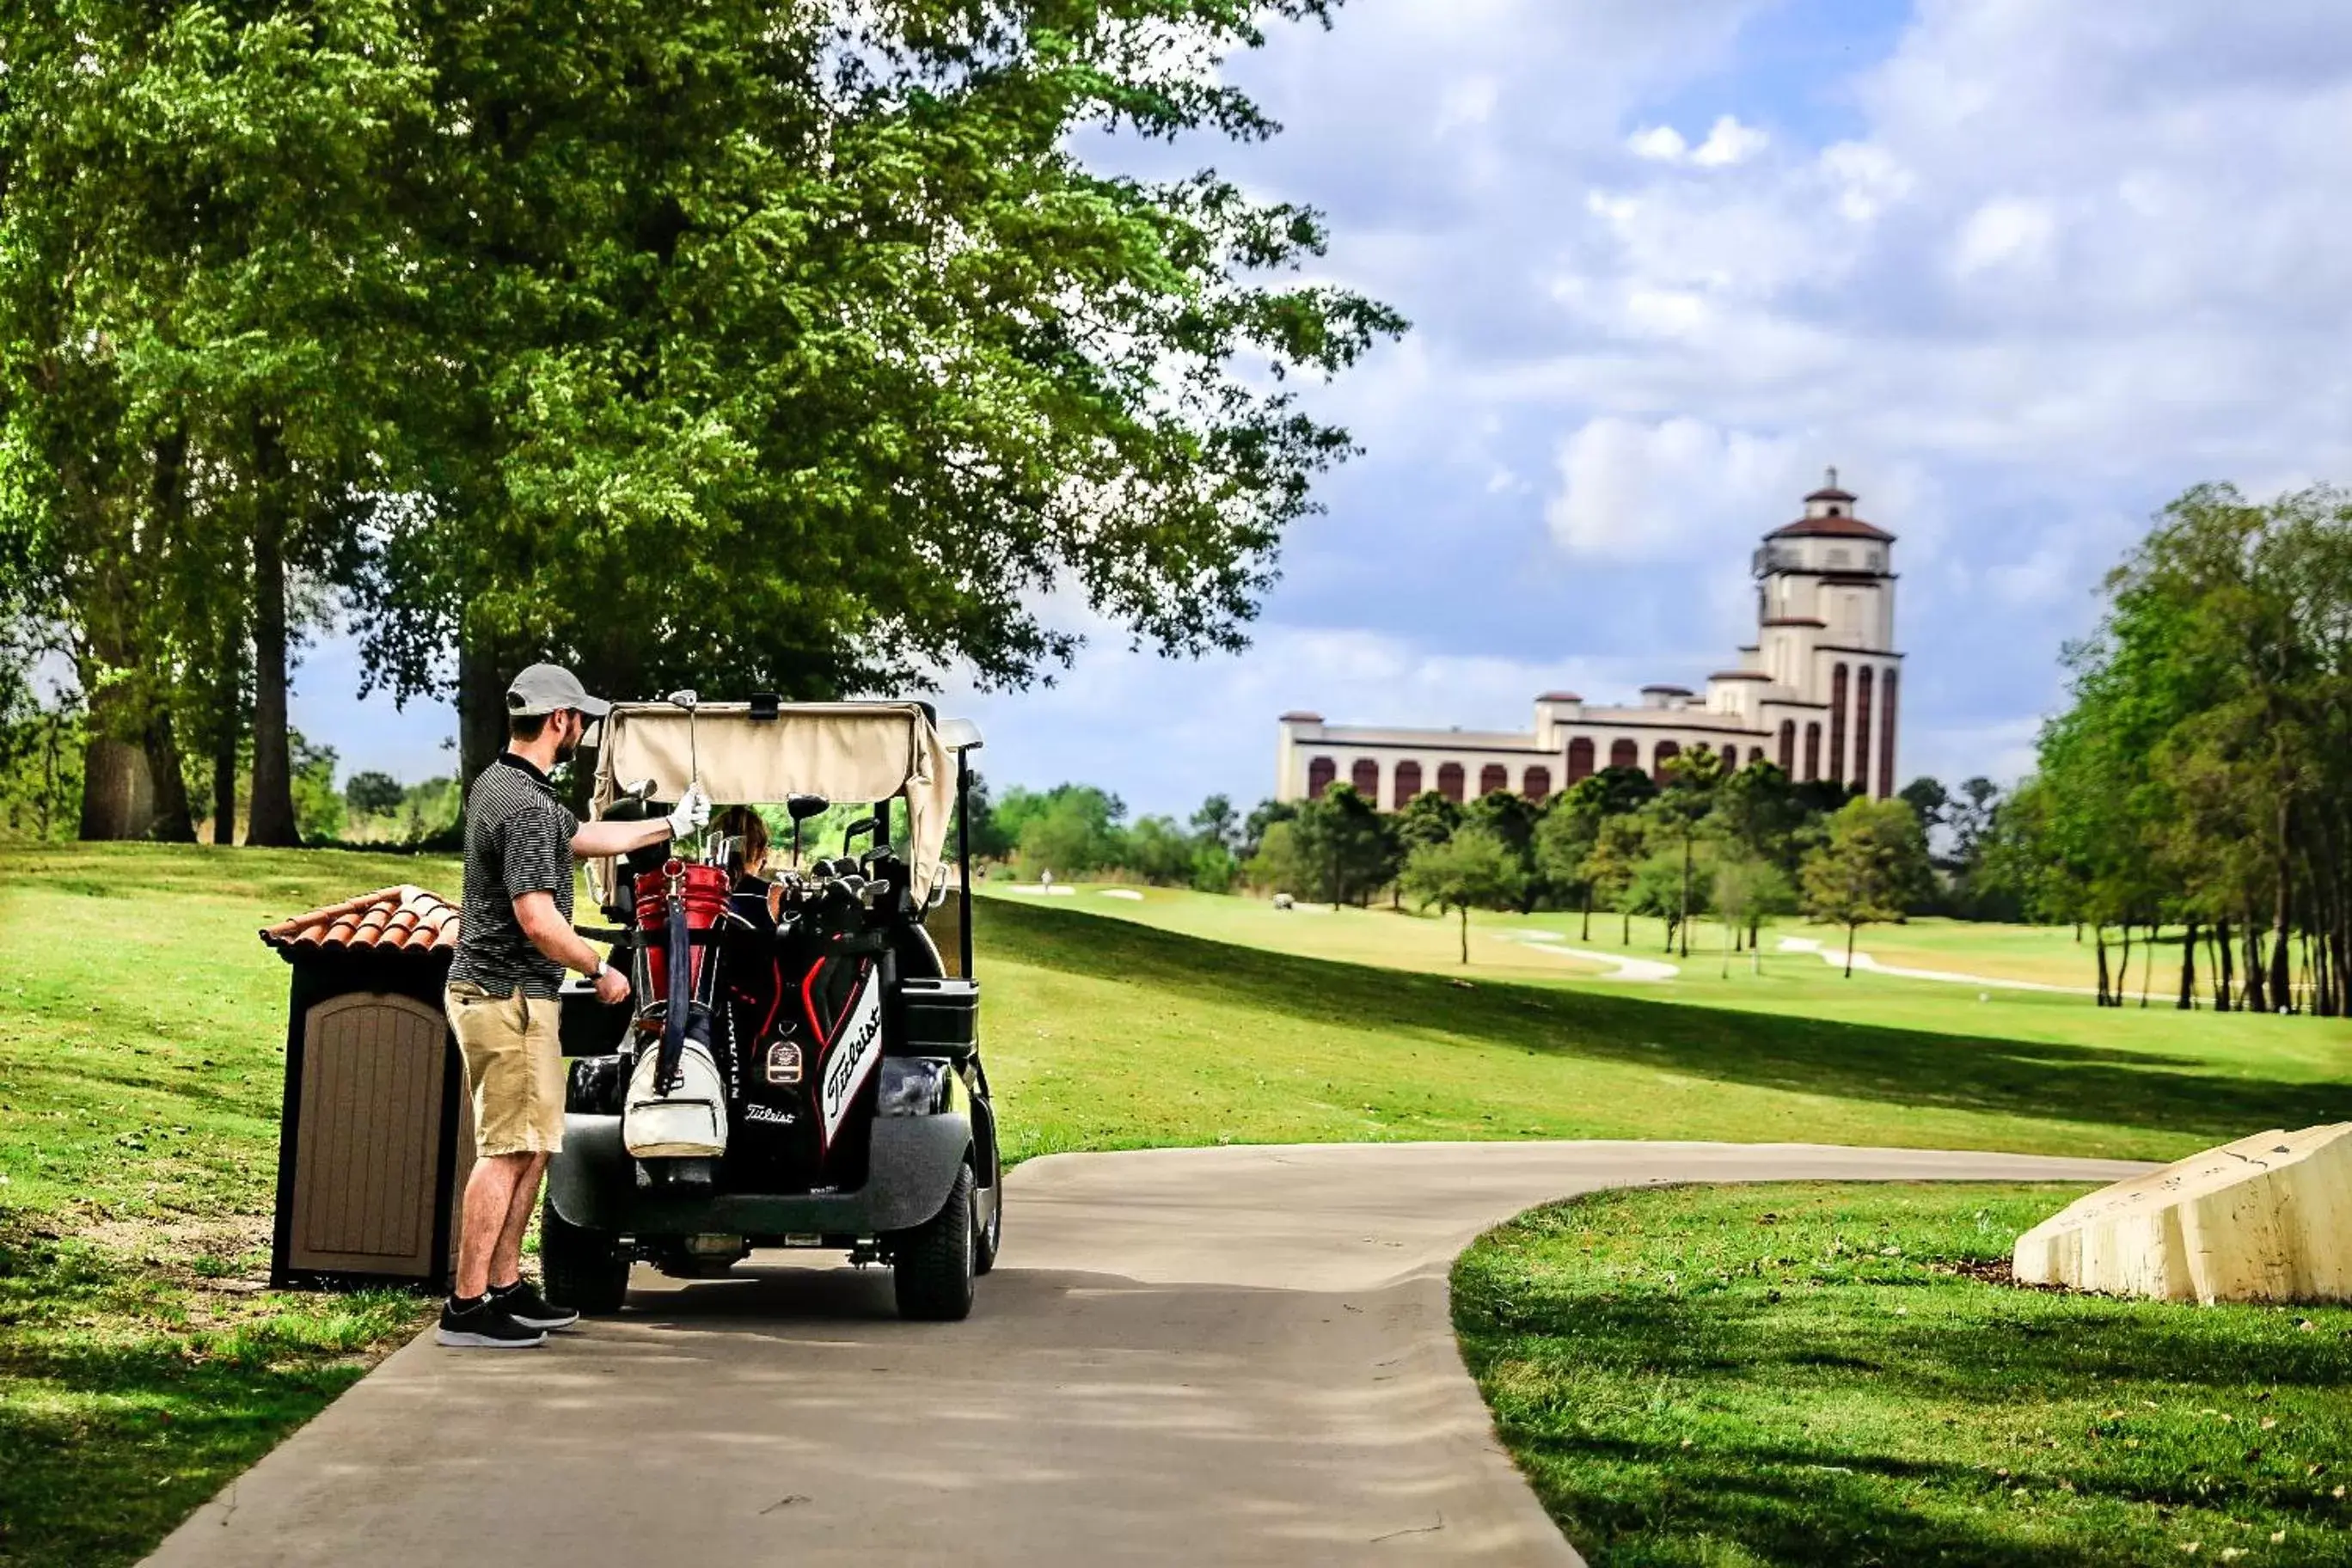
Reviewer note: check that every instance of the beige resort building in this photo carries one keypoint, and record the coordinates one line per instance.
(1817, 693)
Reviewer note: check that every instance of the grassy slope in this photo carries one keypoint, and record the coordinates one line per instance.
(1108, 1032)
(1795, 1375)
(1795, 985)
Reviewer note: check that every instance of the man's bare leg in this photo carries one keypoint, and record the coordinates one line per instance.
(506, 1260)
(489, 1195)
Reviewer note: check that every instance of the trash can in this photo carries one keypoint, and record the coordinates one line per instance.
(375, 1138)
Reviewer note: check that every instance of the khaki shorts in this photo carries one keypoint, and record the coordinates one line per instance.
(514, 1064)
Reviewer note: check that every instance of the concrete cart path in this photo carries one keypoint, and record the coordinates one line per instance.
(1235, 1355)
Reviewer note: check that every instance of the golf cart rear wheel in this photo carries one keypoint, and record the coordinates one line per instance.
(586, 1270)
(988, 1235)
(931, 1265)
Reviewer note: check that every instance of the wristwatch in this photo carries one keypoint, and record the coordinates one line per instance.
(599, 972)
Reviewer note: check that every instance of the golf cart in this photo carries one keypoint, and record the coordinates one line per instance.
(798, 1064)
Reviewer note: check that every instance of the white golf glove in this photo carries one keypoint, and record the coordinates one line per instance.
(693, 813)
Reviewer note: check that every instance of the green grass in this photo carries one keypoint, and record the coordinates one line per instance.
(1814, 1373)
(141, 1051)
(141, 1032)
(1792, 985)
(1112, 1034)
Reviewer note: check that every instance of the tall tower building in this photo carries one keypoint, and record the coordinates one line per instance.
(1825, 645)
(1818, 692)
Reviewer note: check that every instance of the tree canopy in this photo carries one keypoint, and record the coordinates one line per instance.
(726, 342)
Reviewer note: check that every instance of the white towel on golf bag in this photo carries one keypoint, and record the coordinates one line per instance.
(689, 1122)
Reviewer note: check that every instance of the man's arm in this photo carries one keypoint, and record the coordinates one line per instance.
(552, 934)
(598, 839)
(594, 840)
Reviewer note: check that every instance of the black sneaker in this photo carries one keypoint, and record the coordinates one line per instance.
(526, 1306)
(484, 1324)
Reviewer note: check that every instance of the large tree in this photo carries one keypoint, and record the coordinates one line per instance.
(199, 299)
(798, 348)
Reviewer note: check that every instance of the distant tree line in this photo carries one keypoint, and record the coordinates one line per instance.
(1741, 845)
(705, 343)
(2201, 776)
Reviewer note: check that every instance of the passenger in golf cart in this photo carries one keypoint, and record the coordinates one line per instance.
(799, 1063)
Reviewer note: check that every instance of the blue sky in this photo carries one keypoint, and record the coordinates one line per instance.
(2021, 268)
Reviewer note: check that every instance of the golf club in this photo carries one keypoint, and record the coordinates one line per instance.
(686, 697)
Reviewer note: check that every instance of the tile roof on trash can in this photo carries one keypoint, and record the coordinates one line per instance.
(404, 919)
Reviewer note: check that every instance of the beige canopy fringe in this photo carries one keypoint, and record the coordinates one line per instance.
(842, 750)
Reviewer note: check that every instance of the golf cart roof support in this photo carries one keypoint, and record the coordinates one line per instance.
(844, 751)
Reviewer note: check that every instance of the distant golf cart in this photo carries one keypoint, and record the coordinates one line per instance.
(799, 1064)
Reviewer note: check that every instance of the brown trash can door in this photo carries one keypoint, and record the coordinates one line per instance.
(373, 1067)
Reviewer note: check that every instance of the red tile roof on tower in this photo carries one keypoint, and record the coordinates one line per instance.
(403, 919)
(1559, 697)
(1832, 528)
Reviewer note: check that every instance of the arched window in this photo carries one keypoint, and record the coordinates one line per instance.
(1755, 755)
(1536, 783)
(1812, 749)
(1666, 752)
(1449, 782)
(1837, 725)
(1494, 776)
(1699, 749)
(1788, 747)
(1886, 734)
(1862, 696)
(1624, 754)
(1365, 775)
(1579, 759)
(1319, 774)
(1408, 783)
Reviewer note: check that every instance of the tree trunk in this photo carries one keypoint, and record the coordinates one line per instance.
(1586, 933)
(2188, 968)
(1625, 935)
(1682, 922)
(1466, 934)
(117, 798)
(2339, 965)
(1849, 952)
(2225, 979)
(2122, 972)
(2282, 995)
(172, 825)
(2099, 933)
(227, 728)
(481, 705)
(2147, 962)
(2257, 998)
(271, 817)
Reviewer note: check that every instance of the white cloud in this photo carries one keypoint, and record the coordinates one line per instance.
(2006, 232)
(1470, 101)
(1729, 143)
(1660, 143)
(1632, 491)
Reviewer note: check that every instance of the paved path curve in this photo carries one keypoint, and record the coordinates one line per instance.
(1213, 1356)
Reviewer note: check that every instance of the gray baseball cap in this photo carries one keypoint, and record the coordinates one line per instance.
(550, 689)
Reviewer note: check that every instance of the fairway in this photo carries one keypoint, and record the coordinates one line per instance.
(1519, 949)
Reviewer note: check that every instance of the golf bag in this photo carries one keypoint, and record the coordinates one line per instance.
(676, 1105)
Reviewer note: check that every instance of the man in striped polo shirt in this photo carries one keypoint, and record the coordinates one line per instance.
(514, 943)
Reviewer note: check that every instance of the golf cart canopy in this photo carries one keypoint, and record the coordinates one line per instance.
(842, 750)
